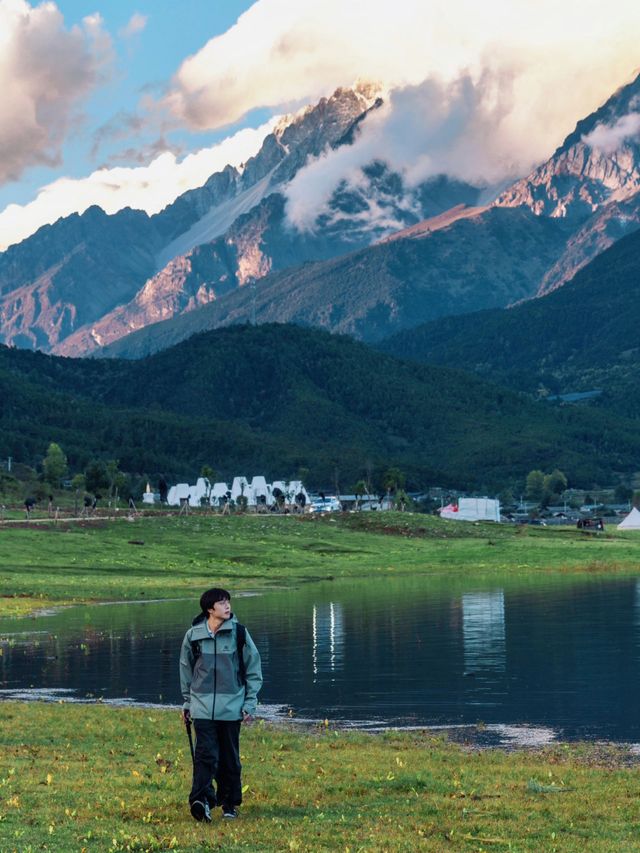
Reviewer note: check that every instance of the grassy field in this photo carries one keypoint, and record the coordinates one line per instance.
(95, 778)
(168, 556)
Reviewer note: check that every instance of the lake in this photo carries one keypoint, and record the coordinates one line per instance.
(559, 654)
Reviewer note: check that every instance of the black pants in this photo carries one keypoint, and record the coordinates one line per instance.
(217, 757)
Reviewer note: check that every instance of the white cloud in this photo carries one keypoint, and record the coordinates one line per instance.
(44, 71)
(421, 131)
(481, 90)
(148, 188)
(566, 58)
(136, 24)
(609, 138)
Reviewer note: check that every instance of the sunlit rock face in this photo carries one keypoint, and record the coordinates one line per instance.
(235, 230)
(87, 281)
(597, 163)
(592, 181)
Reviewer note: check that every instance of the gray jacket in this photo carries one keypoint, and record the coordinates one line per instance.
(210, 684)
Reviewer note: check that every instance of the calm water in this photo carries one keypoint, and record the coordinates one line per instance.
(563, 655)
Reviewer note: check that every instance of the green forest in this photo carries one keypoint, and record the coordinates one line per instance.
(275, 399)
(583, 336)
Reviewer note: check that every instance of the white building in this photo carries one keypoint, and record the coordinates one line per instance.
(239, 488)
(253, 491)
(259, 489)
(473, 509)
(178, 493)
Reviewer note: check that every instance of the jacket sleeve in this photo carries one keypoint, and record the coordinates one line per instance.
(253, 672)
(186, 671)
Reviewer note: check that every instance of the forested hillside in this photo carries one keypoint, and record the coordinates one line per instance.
(274, 399)
(583, 336)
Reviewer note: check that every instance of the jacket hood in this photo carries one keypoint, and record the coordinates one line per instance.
(200, 631)
(202, 617)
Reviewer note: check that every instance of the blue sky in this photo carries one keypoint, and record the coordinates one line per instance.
(172, 32)
(131, 103)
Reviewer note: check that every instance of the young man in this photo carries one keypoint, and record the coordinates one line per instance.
(220, 676)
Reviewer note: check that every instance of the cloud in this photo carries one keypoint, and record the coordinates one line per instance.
(420, 132)
(148, 188)
(565, 58)
(478, 90)
(45, 71)
(137, 23)
(610, 138)
(120, 126)
(145, 154)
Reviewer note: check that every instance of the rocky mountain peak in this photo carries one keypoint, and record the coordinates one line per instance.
(307, 133)
(624, 101)
(599, 162)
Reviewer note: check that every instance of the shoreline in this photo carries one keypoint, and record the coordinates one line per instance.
(482, 737)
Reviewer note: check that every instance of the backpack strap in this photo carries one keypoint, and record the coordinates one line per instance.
(241, 639)
(196, 649)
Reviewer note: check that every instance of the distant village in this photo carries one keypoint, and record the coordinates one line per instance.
(259, 495)
(291, 496)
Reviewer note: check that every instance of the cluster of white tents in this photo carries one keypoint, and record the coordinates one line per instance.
(257, 492)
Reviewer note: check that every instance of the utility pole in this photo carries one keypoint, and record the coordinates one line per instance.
(9, 461)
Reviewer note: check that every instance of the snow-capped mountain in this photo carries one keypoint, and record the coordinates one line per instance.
(88, 281)
(56, 296)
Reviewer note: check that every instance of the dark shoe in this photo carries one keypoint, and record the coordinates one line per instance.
(230, 812)
(201, 811)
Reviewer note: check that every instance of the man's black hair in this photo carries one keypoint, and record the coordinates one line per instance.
(208, 599)
(212, 596)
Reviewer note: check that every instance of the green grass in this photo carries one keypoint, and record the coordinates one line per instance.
(58, 564)
(95, 778)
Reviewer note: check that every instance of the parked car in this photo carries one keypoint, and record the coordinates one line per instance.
(328, 504)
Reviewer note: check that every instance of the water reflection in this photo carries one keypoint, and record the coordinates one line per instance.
(560, 652)
(328, 637)
(483, 631)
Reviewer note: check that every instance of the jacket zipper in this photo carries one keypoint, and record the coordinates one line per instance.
(215, 674)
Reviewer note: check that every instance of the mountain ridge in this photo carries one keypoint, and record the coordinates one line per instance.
(580, 337)
(47, 255)
(392, 285)
(229, 250)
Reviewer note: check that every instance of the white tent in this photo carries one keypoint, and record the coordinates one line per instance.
(178, 493)
(631, 522)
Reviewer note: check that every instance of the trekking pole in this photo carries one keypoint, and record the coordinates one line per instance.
(187, 723)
